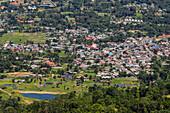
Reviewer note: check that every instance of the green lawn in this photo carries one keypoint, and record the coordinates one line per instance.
(5, 96)
(67, 12)
(14, 38)
(67, 84)
(62, 54)
(138, 14)
(122, 81)
(21, 38)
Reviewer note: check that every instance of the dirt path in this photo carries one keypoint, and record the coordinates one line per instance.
(27, 101)
(11, 95)
(6, 92)
(41, 92)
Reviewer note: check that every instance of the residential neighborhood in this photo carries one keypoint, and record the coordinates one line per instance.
(131, 56)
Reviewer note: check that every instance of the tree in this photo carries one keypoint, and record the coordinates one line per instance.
(97, 94)
(10, 110)
(13, 80)
(82, 79)
(48, 42)
(90, 77)
(25, 1)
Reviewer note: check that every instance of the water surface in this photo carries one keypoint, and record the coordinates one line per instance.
(40, 96)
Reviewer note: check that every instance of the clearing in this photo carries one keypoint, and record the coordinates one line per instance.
(19, 73)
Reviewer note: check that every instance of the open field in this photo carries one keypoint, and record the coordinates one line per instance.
(65, 86)
(168, 96)
(19, 73)
(138, 15)
(62, 54)
(4, 95)
(21, 38)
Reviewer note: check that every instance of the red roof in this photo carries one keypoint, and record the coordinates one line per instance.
(15, 3)
(82, 65)
(102, 62)
(50, 62)
(163, 36)
(44, 68)
(58, 34)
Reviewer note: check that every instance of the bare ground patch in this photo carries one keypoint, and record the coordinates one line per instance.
(19, 73)
(41, 92)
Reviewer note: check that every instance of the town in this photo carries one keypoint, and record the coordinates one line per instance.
(131, 56)
(84, 56)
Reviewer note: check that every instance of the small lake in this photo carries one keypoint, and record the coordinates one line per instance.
(40, 96)
(11, 85)
(8, 85)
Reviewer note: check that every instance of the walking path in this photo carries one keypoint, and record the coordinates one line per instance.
(6, 92)
(11, 95)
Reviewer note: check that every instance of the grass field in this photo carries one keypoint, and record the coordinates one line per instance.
(67, 86)
(62, 54)
(138, 14)
(5, 96)
(168, 96)
(21, 38)
(67, 12)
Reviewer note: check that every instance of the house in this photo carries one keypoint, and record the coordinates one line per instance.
(52, 64)
(22, 81)
(32, 7)
(162, 36)
(15, 3)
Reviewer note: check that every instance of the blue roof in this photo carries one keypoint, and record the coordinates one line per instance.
(49, 83)
(165, 39)
(70, 72)
(155, 47)
(81, 52)
(57, 32)
(56, 47)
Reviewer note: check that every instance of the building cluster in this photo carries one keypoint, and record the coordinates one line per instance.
(142, 5)
(129, 57)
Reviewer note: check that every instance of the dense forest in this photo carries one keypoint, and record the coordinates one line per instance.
(98, 99)
(97, 16)
(152, 95)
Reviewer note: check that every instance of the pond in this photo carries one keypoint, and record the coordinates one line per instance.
(8, 85)
(13, 85)
(40, 96)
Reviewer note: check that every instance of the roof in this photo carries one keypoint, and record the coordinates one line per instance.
(163, 36)
(14, 3)
(50, 63)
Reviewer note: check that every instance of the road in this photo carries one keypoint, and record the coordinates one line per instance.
(11, 95)
(6, 92)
